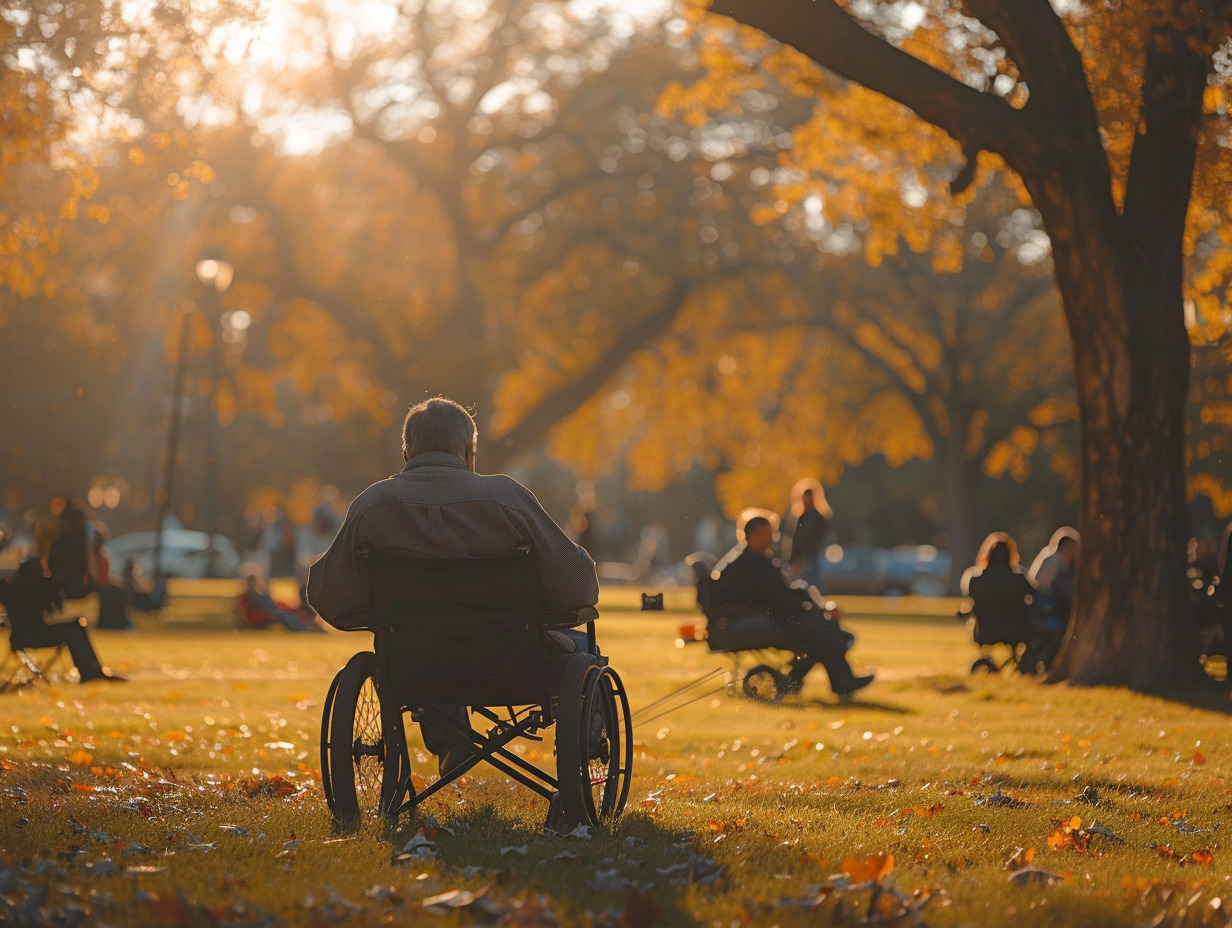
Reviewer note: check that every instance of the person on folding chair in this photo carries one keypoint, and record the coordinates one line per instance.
(748, 579)
(438, 507)
(27, 599)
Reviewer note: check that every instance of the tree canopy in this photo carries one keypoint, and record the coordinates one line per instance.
(1110, 116)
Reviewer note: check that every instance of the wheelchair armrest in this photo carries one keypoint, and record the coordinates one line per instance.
(563, 618)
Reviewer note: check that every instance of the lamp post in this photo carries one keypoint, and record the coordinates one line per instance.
(216, 273)
(163, 497)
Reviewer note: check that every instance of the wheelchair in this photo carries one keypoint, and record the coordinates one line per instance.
(769, 680)
(471, 633)
(1000, 619)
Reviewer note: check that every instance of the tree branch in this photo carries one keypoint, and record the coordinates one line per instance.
(825, 32)
(533, 429)
(1039, 44)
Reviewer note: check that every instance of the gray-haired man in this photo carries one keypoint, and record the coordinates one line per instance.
(438, 507)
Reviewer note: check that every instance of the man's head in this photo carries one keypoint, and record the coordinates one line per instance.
(439, 424)
(759, 534)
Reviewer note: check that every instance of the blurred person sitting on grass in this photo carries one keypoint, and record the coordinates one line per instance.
(138, 594)
(257, 609)
(439, 507)
(750, 579)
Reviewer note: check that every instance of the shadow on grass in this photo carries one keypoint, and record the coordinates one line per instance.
(839, 705)
(591, 876)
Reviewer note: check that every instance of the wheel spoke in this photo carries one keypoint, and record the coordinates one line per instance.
(368, 750)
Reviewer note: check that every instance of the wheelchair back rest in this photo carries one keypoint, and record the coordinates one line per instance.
(461, 631)
(702, 564)
(412, 586)
(1001, 615)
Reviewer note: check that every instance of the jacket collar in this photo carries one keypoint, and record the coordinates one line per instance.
(434, 459)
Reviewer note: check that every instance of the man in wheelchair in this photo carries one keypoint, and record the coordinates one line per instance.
(439, 508)
(749, 580)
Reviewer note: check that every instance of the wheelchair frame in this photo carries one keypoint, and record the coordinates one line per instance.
(470, 633)
(987, 662)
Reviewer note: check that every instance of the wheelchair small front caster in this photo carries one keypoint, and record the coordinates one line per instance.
(765, 684)
(556, 816)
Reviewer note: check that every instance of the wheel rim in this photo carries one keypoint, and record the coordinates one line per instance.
(368, 748)
(600, 746)
(606, 755)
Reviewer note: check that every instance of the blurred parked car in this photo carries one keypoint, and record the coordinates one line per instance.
(866, 570)
(185, 553)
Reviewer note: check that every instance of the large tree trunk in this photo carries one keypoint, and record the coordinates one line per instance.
(1130, 625)
(1120, 277)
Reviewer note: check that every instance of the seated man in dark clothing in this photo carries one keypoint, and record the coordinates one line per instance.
(439, 507)
(30, 596)
(748, 579)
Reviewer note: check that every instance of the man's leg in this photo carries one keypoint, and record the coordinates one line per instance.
(82, 652)
(823, 641)
(448, 753)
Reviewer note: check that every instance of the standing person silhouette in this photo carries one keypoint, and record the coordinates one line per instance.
(804, 543)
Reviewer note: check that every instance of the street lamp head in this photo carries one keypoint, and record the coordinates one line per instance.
(215, 272)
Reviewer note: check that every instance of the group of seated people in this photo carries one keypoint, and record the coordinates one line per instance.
(1013, 606)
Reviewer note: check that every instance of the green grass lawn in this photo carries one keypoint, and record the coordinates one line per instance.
(190, 795)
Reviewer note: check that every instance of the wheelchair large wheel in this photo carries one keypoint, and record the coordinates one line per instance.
(357, 757)
(765, 684)
(594, 742)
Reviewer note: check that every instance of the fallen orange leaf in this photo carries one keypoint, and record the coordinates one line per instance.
(870, 868)
(80, 758)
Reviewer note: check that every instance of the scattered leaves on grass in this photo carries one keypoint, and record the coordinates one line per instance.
(275, 786)
(1068, 834)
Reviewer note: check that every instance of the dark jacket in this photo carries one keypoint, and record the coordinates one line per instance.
(32, 596)
(1001, 599)
(751, 582)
